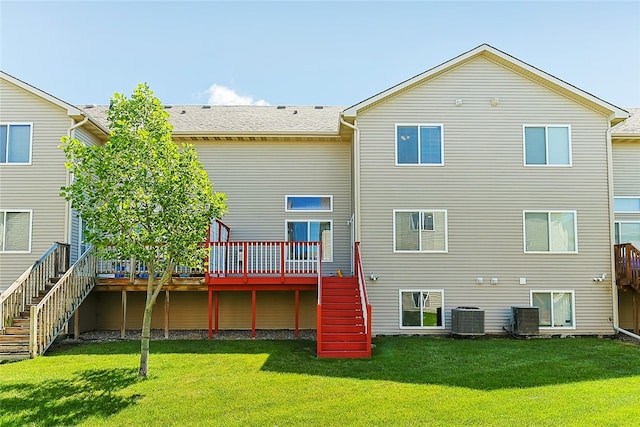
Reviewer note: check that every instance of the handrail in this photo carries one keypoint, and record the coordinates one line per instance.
(366, 307)
(627, 264)
(55, 309)
(15, 298)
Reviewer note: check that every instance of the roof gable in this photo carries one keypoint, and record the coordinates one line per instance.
(614, 113)
(70, 109)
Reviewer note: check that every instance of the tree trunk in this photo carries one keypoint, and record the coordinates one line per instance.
(144, 340)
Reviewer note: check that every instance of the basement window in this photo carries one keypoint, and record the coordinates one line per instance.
(422, 308)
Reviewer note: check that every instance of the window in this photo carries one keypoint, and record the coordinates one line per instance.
(422, 308)
(550, 232)
(628, 232)
(555, 308)
(309, 203)
(420, 230)
(15, 231)
(312, 231)
(419, 145)
(626, 204)
(547, 145)
(15, 143)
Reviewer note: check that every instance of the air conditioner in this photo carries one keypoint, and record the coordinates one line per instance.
(467, 321)
(525, 321)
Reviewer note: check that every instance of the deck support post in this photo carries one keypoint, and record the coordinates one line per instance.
(166, 314)
(216, 310)
(297, 313)
(253, 313)
(76, 324)
(123, 326)
(210, 313)
(636, 313)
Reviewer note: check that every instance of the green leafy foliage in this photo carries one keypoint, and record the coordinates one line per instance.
(140, 193)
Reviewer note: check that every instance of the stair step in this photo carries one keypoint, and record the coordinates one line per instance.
(343, 337)
(14, 356)
(16, 330)
(350, 313)
(350, 328)
(333, 299)
(24, 338)
(14, 348)
(20, 322)
(344, 346)
(336, 321)
(346, 306)
(36, 300)
(326, 293)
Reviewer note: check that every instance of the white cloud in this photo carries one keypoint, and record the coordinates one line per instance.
(221, 95)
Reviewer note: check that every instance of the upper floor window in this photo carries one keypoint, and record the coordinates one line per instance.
(627, 232)
(626, 204)
(419, 145)
(15, 143)
(547, 145)
(420, 230)
(15, 231)
(309, 204)
(546, 231)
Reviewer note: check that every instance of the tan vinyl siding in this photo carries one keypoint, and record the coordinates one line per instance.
(485, 188)
(35, 186)
(626, 168)
(189, 310)
(256, 176)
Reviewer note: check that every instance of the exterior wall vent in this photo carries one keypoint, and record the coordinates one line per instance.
(281, 107)
(525, 321)
(467, 321)
(206, 106)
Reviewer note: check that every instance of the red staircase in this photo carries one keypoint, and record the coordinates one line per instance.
(342, 325)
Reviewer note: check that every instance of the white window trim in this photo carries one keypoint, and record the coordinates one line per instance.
(625, 197)
(401, 326)
(329, 196)
(330, 221)
(446, 231)
(395, 137)
(30, 211)
(549, 212)
(546, 146)
(558, 291)
(7, 163)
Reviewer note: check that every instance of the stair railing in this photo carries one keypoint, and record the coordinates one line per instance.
(364, 299)
(14, 299)
(627, 261)
(52, 313)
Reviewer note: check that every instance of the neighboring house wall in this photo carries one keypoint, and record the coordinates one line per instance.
(484, 188)
(34, 186)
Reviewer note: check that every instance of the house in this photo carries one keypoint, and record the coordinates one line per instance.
(483, 182)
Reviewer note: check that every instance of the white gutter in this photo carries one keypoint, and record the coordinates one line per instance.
(356, 172)
(67, 210)
(610, 188)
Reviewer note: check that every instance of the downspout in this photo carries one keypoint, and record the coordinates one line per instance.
(356, 173)
(67, 210)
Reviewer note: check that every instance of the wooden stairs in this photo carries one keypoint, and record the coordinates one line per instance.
(14, 343)
(342, 328)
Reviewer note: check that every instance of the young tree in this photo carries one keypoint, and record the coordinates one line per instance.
(141, 196)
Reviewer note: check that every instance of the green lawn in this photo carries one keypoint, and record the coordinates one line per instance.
(408, 381)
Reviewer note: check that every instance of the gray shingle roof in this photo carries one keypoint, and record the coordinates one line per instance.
(631, 126)
(199, 119)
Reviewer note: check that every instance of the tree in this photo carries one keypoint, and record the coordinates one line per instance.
(141, 196)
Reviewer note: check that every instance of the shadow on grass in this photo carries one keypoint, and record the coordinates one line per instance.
(67, 402)
(483, 364)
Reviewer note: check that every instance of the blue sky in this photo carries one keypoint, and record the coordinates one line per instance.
(305, 53)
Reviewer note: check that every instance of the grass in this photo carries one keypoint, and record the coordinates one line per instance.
(408, 381)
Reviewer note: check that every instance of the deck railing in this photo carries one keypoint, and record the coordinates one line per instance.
(32, 282)
(264, 259)
(627, 262)
(52, 313)
(112, 267)
(364, 298)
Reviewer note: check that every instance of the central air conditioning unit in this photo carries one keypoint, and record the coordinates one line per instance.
(525, 321)
(467, 321)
